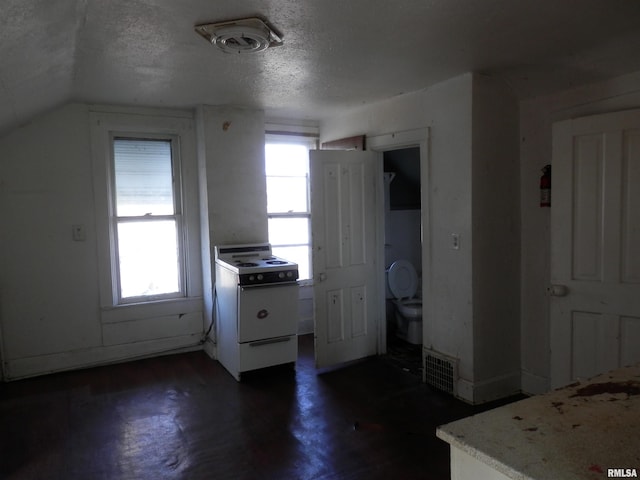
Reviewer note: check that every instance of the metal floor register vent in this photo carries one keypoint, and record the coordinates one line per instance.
(440, 371)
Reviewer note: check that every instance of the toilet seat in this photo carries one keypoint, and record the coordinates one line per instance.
(403, 280)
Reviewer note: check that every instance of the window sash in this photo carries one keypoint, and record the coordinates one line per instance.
(298, 210)
(152, 273)
(287, 241)
(288, 183)
(144, 177)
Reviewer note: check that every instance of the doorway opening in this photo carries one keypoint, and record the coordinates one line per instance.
(354, 301)
(403, 257)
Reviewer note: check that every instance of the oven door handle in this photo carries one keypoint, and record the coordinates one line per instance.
(259, 343)
(269, 285)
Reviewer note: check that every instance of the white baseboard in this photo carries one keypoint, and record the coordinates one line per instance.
(91, 357)
(487, 390)
(497, 387)
(534, 384)
(464, 390)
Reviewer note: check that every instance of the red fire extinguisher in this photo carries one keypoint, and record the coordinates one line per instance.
(545, 187)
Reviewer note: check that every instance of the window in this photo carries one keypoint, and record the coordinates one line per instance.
(146, 219)
(145, 175)
(288, 209)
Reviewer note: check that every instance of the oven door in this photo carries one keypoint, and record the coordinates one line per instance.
(267, 311)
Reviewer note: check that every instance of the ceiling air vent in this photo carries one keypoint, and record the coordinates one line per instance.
(247, 35)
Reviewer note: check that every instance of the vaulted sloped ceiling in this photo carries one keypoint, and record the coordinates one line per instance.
(337, 54)
(37, 54)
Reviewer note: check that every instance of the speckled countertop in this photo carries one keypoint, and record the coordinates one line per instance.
(577, 432)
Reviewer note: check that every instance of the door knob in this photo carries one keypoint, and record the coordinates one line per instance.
(558, 290)
(322, 277)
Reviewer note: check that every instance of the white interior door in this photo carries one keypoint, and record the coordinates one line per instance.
(595, 246)
(343, 226)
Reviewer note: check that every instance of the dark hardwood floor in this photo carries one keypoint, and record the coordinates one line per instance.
(184, 417)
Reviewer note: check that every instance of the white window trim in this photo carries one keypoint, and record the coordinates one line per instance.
(176, 171)
(105, 124)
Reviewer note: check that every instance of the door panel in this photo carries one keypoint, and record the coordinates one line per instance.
(630, 332)
(332, 212)
(594, 343)
(587, 216)
(343, 217)
(335, 316)
(359, 311)
(595, 243)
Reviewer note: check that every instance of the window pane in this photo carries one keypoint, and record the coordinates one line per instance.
(286, 159)
(148, 258)
(287, 171)
(287, 194)
(300, 255)
(288, 231)
(143, 177)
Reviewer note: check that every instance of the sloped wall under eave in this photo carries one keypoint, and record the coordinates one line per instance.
(49, 283)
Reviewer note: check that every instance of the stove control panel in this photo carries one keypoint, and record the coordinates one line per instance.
(268, 277)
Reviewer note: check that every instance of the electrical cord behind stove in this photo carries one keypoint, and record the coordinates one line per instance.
(213, 317)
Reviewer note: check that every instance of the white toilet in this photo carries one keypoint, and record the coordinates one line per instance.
(403, 284)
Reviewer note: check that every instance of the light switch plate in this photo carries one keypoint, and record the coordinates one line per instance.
(78, 233)
(455, 241)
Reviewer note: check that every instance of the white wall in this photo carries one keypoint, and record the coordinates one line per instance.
(50, 309)
(448, 291)
(50, 313)
(49, 284)
(446, 110)
(536, 118)
(496, 240)
(49, 289)
(233, 192)
(234, 155)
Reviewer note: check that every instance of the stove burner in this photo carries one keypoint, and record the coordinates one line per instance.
(276, 262)
(246, 264)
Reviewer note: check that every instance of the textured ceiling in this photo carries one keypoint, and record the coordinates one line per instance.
(337, 54)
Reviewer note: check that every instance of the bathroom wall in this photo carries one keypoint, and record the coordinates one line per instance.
(402, 207)
(404, 243)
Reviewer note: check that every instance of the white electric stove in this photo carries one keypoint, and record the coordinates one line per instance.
(257, 308)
